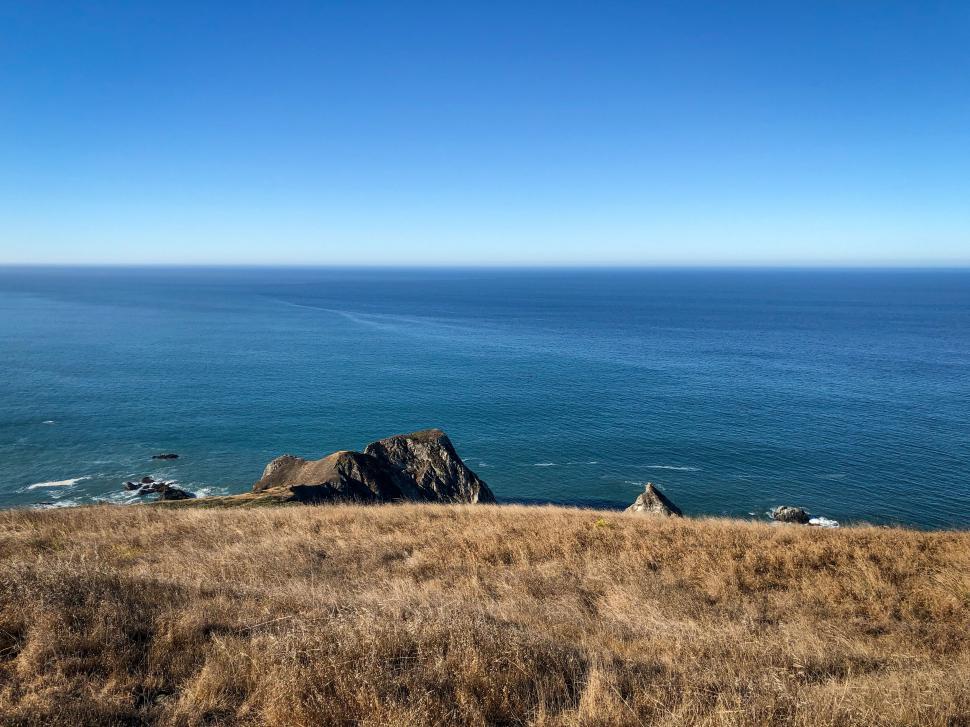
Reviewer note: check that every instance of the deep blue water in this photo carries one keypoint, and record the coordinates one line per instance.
(847, 392)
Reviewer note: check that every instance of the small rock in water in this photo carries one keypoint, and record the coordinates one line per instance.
(145, 488)
(789, 514)
(653, 502)
(168, 455)
(823, 522)
(164, 490)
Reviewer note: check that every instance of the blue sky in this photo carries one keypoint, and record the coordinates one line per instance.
(494, 133)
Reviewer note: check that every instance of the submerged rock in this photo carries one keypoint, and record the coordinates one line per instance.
(790, 514)
(421, 466)
(653, 502)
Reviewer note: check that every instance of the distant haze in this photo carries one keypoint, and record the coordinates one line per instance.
(562, 133)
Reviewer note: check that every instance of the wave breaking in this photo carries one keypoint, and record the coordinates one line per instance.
(57, 483)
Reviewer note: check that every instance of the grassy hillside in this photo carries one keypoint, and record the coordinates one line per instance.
(421, 615)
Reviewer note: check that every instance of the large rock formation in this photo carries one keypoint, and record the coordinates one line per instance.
(422, 466)
(653, 502)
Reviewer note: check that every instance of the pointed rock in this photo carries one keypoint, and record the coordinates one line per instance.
(653, 502)
(429, 459)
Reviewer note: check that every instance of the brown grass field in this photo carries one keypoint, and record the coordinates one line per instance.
(483, 615)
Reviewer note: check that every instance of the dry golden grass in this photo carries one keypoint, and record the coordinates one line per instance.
(440, 615)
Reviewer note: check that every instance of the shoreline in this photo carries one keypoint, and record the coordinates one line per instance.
(420, 467)
(247, 499)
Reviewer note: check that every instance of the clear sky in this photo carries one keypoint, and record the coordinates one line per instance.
(485, 133)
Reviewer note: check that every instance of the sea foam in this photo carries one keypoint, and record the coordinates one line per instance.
(56, 483)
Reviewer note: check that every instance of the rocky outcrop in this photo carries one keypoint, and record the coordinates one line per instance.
(653, 502)
(790, 514)
(422, 467)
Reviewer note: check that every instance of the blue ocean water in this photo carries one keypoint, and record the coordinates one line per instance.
(847, 392)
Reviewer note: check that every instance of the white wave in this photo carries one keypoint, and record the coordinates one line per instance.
(823, 522)
(47, 421)
(57, 483)
(128, 497)
(56, 503)
(544, 464)
(672, 467)
(123, 497)
(210, 491)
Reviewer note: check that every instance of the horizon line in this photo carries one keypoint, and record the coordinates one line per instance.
(873, 265)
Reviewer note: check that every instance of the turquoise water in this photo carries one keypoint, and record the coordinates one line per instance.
(847, 392)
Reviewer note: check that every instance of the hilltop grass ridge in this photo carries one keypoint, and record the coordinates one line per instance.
(485, 614)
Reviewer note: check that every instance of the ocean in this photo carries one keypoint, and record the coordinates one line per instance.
(734, 390)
